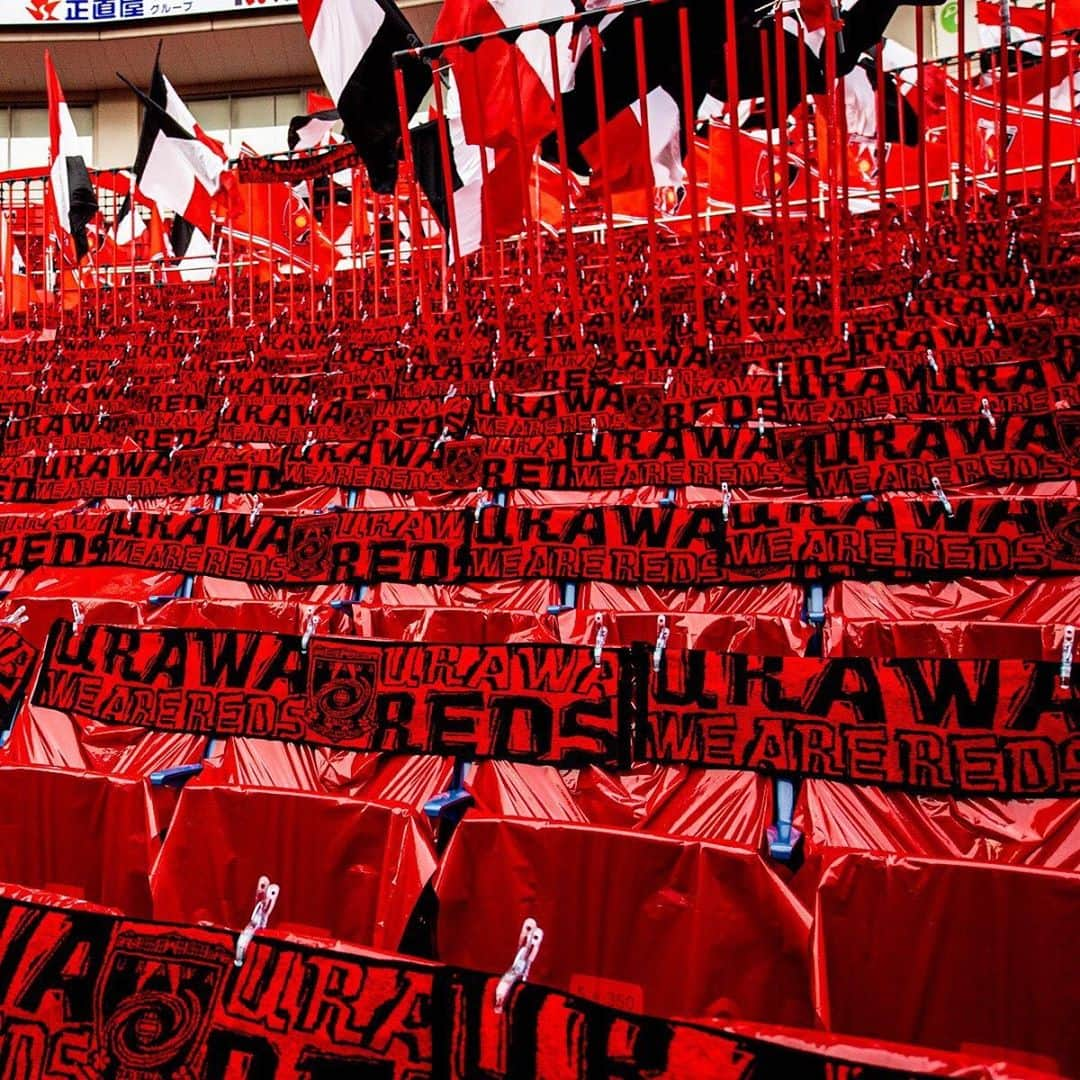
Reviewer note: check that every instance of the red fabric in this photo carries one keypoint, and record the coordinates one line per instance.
(619, 911)
(951, 955)
(346, 869)
(78, 834)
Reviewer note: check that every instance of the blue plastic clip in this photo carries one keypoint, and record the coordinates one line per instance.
(567, 599)
(175, 776)
(782, 836)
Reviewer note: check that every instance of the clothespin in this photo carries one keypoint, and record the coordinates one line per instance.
(312, 404)
(256, 508)
(10, 418)
(310, 626)
(177, 446)
(686, 320)
(17, 617)
(1068, 645)
(984, 411)
(601, 639)
(309, 442)
(931, 361)
(669, 378)
(990, 323)
(780, 373)
(102, 415)
(130, 508)
(491, 389)
(662, 635)
(226, 402)
(529, 940)
(451, 392)
(78, 617)
(761, 421)
(725, 501)
(942, 498)
(443, 438)
(594, 430)
(51, 452)
(847, 331)
(265, 898)
(482, 503)
(408, 365)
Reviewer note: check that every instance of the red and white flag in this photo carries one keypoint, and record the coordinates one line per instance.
(73, 195)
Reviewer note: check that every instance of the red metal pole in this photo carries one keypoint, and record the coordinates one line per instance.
(689, 106)
(576, 313)
(605, 164)
(731, 65)
(1044, 230)
(650, 182)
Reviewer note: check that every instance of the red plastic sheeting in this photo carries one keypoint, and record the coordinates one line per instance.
(1011, 617)
(482, 612)
(47, 737)
(105, 594)
(347, 869)
(663, 799)
(759, 619)
(664, 926)
(1042, 833)
(323, 770)
(77, 834)
(951, 955)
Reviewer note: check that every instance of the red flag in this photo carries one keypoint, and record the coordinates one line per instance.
(491, 75)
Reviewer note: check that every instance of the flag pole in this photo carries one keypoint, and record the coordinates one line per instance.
(961, 126)
(689, 129)
(650, 181)
(605, 164)
(1003, 133)
(1044, 230)
(780, 37)
(731, 65)
(415, 232)
(576, 313)
(448, 182)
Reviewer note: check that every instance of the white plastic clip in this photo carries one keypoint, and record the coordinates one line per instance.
(601, 640)
(452, 392)
(10, 418)
(51, 452)
(491, 389)
(265, 898)
(529, 941)
(256, 509)
(441, 441)
(663, 632)
(984, 411)
(725, 501)
(780, 373)
(177, 446)
(990, 323)
(408, 365)
(309, 442)
(942, 498)
(669, 378)
(17, 617)
(78, 617)
(310, 626)
(761, 421)
(312, 404)
(931, 361)
(594, 430)
(130, 508)
(482, 503)
(127, 386)
(224, 405)
(1068, 646)
(102, 415)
